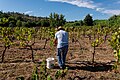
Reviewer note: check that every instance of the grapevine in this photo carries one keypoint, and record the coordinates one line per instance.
(115, 43)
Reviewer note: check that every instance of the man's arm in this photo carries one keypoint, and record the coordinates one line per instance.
(55, 42)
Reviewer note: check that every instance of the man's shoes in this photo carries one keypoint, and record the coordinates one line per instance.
(62, 67)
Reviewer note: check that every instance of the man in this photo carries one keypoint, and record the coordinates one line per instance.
(61, 40)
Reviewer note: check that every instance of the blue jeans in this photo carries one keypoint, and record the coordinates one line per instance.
(61, 55)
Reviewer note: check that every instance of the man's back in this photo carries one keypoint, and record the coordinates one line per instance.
(62, 37)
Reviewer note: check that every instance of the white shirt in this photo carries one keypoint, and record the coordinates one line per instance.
(62, 38)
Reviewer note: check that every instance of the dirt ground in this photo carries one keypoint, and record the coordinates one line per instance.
(18, 62)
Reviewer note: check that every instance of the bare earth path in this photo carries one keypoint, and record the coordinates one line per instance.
(18, 61)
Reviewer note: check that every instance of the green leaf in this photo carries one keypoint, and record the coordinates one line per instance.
(22, 43)
(51, 43)
(49, 77)
(29, 37)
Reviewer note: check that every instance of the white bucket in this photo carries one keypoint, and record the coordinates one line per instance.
(50, 63)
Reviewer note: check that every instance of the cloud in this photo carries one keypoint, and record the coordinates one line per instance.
(118, 2)
(28, 12)
(80, 3)
(91, 14)
(111, 12)
(99, 9)
(91, 5)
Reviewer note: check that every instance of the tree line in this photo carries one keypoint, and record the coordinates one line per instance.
(13, 19)
(113, 21)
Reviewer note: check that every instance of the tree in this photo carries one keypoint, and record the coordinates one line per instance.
(38, 23)
(62, 20)
(12, 21)
(45, 23)
(102, 23)
(56, 20)
(18, 23)
(88, 21)
(24, 24)
(51, 20)
(12, 24)
(81, 23)
(4, 22)
(114, 20)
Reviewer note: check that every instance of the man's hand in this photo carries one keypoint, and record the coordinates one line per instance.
(55, 42)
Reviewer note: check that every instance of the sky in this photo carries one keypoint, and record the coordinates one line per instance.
(71, 9)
